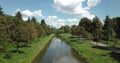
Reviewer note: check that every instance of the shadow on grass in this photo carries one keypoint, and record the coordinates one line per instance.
(116, 56)
(26, 46)
(100, 47)
(19, 51)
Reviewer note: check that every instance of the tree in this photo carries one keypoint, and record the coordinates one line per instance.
(43, 24)
(45, 27)
(4, 37)
(97, 29)
(116, 22)
(67, 29)
(109, 33)
(28, 19)
(86, 23)
(18, 15)
(34, 20)
(73, 31)
(1, 12)
(40, 30)
(20, 33)
(32, 31)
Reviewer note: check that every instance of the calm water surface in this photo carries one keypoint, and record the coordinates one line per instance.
(58, 52)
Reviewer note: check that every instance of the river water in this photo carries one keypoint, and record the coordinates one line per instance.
(58, 52)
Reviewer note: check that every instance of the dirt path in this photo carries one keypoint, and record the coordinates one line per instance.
(114, 49)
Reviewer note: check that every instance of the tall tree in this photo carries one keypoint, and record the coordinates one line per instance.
(116, 21)
(108, 28)
(67, 29)
(32, 30)
(86, 23)
(18, 15)
(97, 29)
(40, 30)
(43, 24)
(34, 20)
(1, 12)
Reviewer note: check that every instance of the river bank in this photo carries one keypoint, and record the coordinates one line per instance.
(85, 49)
(29, 53)
(57, 51)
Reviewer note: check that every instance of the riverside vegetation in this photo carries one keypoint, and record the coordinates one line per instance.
(87, 51)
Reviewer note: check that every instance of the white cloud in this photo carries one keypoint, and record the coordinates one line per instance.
(92, 3)
(75, 7)
(28, 13)
(57, 22)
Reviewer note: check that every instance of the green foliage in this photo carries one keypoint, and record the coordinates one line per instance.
(1, 12)
(43, 24)
(96, 29)
(18, 15)
(64, 29)
(116, 22)
(86, 23)
(17, 32)
(109, 32)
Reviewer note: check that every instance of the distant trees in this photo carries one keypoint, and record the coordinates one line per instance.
(95, 30)
(64, 29)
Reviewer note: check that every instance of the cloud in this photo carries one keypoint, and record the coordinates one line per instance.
(75, 7)
(57, 22)
(28, 13)
(92, 3)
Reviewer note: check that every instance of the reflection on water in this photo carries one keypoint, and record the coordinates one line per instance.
(58, 52)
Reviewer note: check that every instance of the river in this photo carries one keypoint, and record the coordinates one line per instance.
(57, 52)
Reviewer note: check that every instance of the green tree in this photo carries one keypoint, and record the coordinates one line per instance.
(1, 12)
(67, 29)
(73, 30)
(40, 30)
(86, 23)
(18, 15)
(32, 31)
(45, 27)
(109, 33)
(43, 24)
(116, 22)
(97, 29)
(34, 20)
(4, 37)
(20, 33)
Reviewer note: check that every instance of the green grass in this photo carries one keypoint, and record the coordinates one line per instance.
(86, 50)
(30, 52)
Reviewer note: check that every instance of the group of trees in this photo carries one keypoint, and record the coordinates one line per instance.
(14, 30)
(94, 29)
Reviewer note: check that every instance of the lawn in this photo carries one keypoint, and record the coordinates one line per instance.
(29, 52)
(86, 50)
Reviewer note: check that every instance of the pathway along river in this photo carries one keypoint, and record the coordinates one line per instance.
(57, 52)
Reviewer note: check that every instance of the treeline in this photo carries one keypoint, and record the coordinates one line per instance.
(94, 29)
(15, 31)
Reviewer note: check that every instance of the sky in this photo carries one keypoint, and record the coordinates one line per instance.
(62, 12)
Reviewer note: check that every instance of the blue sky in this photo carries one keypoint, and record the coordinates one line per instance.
(62, 12)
